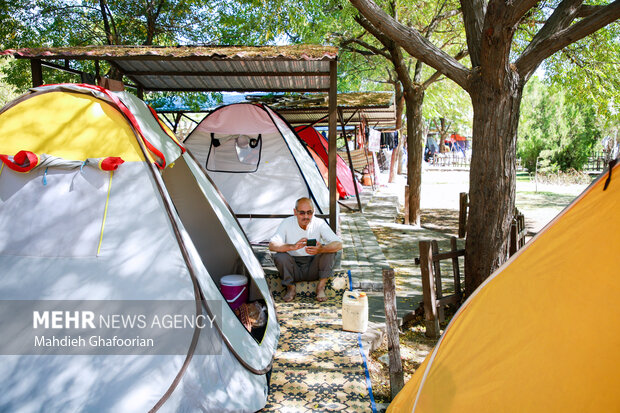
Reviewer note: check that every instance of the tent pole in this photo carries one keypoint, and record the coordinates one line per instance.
(346, 145)
(333, 95)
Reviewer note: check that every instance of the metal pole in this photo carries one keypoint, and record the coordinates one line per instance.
(333, 95)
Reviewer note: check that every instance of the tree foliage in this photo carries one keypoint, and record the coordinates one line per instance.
(507, 42)
(555, 129)
(55, 23)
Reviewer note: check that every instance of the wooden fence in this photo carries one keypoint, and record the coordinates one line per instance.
(453, 159)
(517, 233)
(434, 299)
(463, 208)
(596, 163)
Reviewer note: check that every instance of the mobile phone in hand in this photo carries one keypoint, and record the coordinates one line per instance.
(311, 242)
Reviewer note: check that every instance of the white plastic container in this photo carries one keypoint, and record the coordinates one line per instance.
(355, 311)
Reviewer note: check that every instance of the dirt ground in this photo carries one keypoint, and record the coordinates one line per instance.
(539, 203)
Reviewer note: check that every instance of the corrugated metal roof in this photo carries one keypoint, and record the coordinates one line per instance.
(377, 108)
(213, 68)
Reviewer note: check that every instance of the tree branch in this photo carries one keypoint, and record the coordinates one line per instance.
(370, 50)
(545, 47)
(586, 10)
(437, 75)
(560, 19)
(411, 40)
(434, 22)
(519, 9)
(370, 28)
(473, 18)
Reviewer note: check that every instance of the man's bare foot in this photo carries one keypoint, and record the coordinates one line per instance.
(320, 290)
(290, 293)
(320, 296)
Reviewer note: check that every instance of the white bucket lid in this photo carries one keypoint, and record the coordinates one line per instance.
(234, 280)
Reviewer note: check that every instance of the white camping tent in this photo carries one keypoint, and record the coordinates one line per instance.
(99, 202)
(259, 164)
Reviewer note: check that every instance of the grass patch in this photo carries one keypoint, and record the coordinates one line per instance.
(535, 200)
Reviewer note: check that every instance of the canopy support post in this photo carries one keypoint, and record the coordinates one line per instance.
(333, 95)
(37, 72)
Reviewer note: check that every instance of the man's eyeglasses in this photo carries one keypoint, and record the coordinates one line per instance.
(309, 212)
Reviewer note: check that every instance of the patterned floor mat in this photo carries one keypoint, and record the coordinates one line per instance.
(318, 367)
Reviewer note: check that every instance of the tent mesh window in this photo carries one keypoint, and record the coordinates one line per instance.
(234, 153)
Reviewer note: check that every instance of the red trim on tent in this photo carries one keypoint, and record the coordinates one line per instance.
(23, 161)
(163, 127)
(111, 163)
(132, 119)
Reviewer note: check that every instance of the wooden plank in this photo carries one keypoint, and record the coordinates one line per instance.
(393, 333)
(522, 231)
(512, 247)
(449, 299)
(428, 290)
(463, 204)
(437, 276)
(456, 270)
(448, 255)
(407, 204)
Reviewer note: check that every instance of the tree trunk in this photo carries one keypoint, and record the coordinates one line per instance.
(400, 103)
(106, 24)
(492, 176)
(414, 97)
(443, 134)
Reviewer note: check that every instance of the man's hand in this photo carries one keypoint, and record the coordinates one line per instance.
(299, 244)
(281, 247)
(314, 250)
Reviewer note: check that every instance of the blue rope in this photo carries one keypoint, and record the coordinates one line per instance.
(45, 177)
(373, 405)
(350, 281)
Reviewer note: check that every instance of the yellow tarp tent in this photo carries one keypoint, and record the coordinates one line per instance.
(542, 333)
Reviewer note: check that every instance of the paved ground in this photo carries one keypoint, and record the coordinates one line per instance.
(375, 240)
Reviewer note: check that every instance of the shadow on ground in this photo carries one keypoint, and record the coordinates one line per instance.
(445, 221)
(528, 200)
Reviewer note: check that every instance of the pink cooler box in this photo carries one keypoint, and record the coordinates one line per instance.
(234, 289)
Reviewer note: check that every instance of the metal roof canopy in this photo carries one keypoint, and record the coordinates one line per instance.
(294, 68)
(377, 109)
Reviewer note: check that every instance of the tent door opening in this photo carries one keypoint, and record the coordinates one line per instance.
(209, 235)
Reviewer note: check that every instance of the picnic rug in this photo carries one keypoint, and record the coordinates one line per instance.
(317, 367)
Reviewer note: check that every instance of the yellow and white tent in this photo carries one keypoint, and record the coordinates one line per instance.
(542, 334)
(98, 201)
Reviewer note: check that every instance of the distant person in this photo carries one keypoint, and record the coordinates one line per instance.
(295, 258)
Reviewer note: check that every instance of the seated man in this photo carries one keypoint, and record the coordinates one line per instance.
(296, 259)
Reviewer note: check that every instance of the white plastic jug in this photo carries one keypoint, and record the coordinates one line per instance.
(355, 311)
